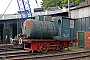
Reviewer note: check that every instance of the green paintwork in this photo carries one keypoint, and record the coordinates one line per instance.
(66, 28)
(47, 18)
(81, 39)
(42, 29)
(39, 17)
(19, 29)
(73, 33)
(6, 32)
(59, 28)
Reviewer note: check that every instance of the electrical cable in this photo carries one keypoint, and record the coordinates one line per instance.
(37, 5)
(6, 9)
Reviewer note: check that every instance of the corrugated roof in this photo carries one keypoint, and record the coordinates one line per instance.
(15, 16)
(80, 6)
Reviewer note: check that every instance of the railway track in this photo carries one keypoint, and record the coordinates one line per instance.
(5, 48)
(53, 56)
(9, 53)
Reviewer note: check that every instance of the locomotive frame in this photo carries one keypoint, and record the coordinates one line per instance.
(44, 45)
(43, 36)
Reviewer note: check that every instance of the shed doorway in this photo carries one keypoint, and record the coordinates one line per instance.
(1, 33)
(13, 30)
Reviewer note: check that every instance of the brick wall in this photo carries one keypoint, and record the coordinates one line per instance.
(89, 2)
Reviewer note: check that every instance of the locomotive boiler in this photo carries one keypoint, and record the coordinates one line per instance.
(35, 29)
(41, 35)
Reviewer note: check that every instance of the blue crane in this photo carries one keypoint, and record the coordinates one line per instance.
(24, 9)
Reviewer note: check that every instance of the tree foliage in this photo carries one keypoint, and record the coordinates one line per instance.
(51, 3)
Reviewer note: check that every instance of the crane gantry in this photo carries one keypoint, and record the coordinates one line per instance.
(24, 9)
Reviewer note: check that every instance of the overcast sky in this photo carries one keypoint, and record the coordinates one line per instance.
(13, 8)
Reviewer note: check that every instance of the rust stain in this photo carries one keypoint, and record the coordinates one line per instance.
(77, 38)
(29, 24)
(48, 26)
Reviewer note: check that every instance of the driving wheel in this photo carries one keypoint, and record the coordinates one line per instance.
(43, 48)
